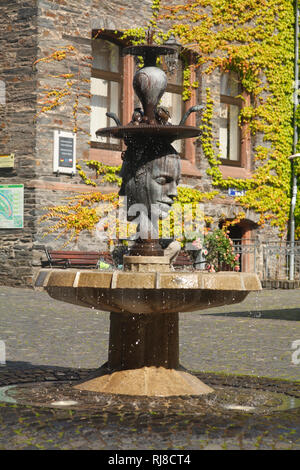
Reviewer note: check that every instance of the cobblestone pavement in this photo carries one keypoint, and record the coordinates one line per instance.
(254, 337)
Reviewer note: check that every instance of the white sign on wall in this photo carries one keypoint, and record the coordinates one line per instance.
(64, 158)
(2, 92)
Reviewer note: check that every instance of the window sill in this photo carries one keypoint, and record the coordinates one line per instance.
(189, 169)
(112, 158)
(108, 157)
(235, 172)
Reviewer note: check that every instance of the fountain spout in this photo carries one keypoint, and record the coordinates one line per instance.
(114, 117)
(198, 107)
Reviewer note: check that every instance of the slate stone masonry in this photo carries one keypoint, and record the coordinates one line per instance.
(18, 50)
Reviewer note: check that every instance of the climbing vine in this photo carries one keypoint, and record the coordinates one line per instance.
(80, 213)
(70, 87)
(84, 212)
(107, 173)
(254, 38)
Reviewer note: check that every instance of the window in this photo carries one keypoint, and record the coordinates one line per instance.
(106, 93)
(230, 107)
(172, 98)
(112, 91)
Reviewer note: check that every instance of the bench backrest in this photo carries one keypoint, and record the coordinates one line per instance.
(59, 254)
(79, 257)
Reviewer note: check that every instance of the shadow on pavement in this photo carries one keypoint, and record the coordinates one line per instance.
(292, 314)
(28, 365)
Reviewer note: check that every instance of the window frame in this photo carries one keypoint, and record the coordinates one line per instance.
(110, 77)
(177, 89)
(235, 101)
(111, 153)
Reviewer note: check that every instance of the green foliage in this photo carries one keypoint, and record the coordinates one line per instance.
(256, 40)
(81, 213)
(107, 173)
(220, 251)
(190, 195)
(187, 203)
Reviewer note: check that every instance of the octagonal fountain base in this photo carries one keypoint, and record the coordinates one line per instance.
(143, 356)
(147, 381)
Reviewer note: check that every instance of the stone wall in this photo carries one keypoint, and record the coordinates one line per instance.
(32, 30)
(18, 49)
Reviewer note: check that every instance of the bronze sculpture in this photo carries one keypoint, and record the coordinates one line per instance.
(151, 166)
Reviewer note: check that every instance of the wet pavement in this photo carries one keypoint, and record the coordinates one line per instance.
(50, 341)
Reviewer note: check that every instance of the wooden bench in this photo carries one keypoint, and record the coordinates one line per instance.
(90, 259)
(75, 259)
(183, 260)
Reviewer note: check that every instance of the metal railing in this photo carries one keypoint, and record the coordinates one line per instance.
(270, 260)
(248, 251)
(276, 260)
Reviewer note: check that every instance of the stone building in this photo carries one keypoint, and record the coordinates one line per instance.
(34, 29)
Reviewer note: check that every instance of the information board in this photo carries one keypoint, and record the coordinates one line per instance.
(11, 206)
(64, 158)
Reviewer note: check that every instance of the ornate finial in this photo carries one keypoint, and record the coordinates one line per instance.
(172, 41)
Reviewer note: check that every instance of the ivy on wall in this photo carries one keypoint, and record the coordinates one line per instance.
(254, 38)
(71, 86)
(81, 213)
(103, 173)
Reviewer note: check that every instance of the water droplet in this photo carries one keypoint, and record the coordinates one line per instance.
(64, 403)
(239, 407)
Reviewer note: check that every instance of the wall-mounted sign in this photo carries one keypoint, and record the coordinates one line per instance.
(7, 161)
(236, 192)
(11, 205)
(2, 92)
(64, 158)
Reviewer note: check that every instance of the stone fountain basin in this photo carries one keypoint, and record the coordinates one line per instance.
(153, 292)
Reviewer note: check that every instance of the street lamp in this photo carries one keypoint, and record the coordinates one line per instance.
(292, 218)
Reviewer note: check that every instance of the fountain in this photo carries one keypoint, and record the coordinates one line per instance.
(146, 297)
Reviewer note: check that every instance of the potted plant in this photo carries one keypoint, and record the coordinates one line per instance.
(220, 252)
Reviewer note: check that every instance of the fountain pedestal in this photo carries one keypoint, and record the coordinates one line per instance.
(143, 356)
(143, 359)
(147, 264)
(143, 340)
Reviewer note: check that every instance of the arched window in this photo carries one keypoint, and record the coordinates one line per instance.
(230, 107)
